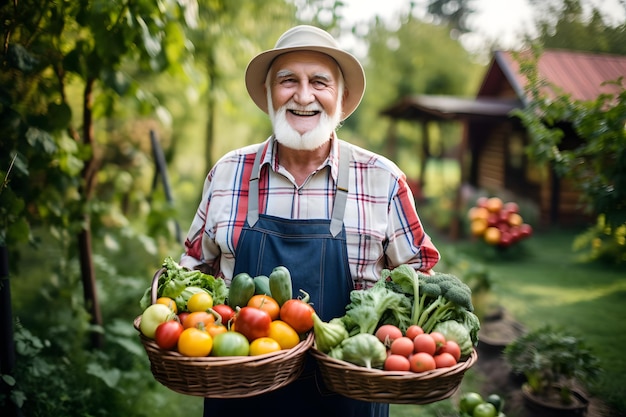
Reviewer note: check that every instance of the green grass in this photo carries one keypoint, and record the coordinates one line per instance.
(544, 284)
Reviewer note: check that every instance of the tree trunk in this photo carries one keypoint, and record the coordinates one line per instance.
(89, 282)
(213, 79)
(7, 345)
(87, 270)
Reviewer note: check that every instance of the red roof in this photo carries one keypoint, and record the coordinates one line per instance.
(580, 74)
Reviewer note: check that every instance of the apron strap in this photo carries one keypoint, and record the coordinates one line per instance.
(341, 194)
(253, 189)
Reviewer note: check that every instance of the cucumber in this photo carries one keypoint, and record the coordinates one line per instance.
(280, 285)
(241, 290)
(262, 285)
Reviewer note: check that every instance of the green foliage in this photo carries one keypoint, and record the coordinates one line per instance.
(550, 287)
(566, 24)
(48, 166)
(56, 374)
(412, 57)
(597, 162)
(547, 356)
(602, 242)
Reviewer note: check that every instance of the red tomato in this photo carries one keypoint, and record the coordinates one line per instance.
(298, 314)
(413, 331)
(422, 362)
(425, 343)
(167, 334)
(226, 312)
(397, 363)
(387, 333)
(444, 360)
(402, 346)
(253, 323)
(439, 338)
(452, 348)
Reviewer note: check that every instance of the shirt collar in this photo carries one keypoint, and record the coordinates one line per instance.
(271, 154)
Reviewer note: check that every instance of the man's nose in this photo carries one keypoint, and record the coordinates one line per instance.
(304, 94)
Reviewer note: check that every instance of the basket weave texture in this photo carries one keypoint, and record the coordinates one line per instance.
(376, 385)
(225, 377)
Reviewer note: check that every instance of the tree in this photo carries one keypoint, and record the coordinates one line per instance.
(411, 58)
(597, 165)
(453, 13)
(566, 24)
(50, 159)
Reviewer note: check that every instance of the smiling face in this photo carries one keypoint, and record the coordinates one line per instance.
(304, 91)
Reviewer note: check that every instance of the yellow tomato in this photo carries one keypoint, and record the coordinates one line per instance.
(476, 213)
(515, 219)
(492, 235)
(200, 301)
(284, 334)
(168, 302)
(263, 345)
(478, 227)
(195, 342)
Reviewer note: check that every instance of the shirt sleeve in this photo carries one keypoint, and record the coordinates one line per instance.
(194, 255)
(408, 241)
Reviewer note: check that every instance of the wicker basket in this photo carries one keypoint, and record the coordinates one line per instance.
(376, 385)
(225, 377)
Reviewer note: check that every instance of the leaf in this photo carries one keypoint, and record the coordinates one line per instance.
(41, 140)
(20, 58)
(8, 379)
(59, 116)
(109, 376)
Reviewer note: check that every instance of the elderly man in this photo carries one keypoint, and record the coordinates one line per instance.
(334, 214)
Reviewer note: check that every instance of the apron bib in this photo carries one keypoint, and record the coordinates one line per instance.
(315, 253)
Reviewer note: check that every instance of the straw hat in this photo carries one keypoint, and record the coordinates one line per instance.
(307, 38)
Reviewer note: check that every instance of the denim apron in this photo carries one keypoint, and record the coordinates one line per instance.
(315, 253)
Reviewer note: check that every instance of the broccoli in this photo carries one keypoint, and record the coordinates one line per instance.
(443, 297)
(368, 307)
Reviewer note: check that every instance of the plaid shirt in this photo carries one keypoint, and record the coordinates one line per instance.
(382, 227)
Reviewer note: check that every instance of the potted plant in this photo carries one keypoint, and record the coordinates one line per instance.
(553, 363)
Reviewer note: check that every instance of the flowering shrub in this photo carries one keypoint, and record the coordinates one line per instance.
(498, 223)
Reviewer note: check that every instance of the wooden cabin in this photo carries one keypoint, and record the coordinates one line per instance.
(492, 153)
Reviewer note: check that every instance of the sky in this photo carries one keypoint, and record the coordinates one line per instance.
(504, 20)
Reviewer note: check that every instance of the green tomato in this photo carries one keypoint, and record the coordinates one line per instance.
(230, 344)
(152, 316)
(496, 400)
(485, 410)
(469, 401)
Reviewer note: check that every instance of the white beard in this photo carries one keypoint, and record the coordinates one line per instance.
(308, 141)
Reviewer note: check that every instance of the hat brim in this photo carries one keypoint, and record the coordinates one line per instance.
(353, 74)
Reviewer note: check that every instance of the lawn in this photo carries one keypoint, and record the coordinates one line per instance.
(549, 286)
(542, 283)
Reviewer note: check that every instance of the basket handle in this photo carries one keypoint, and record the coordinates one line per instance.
(155, 285)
